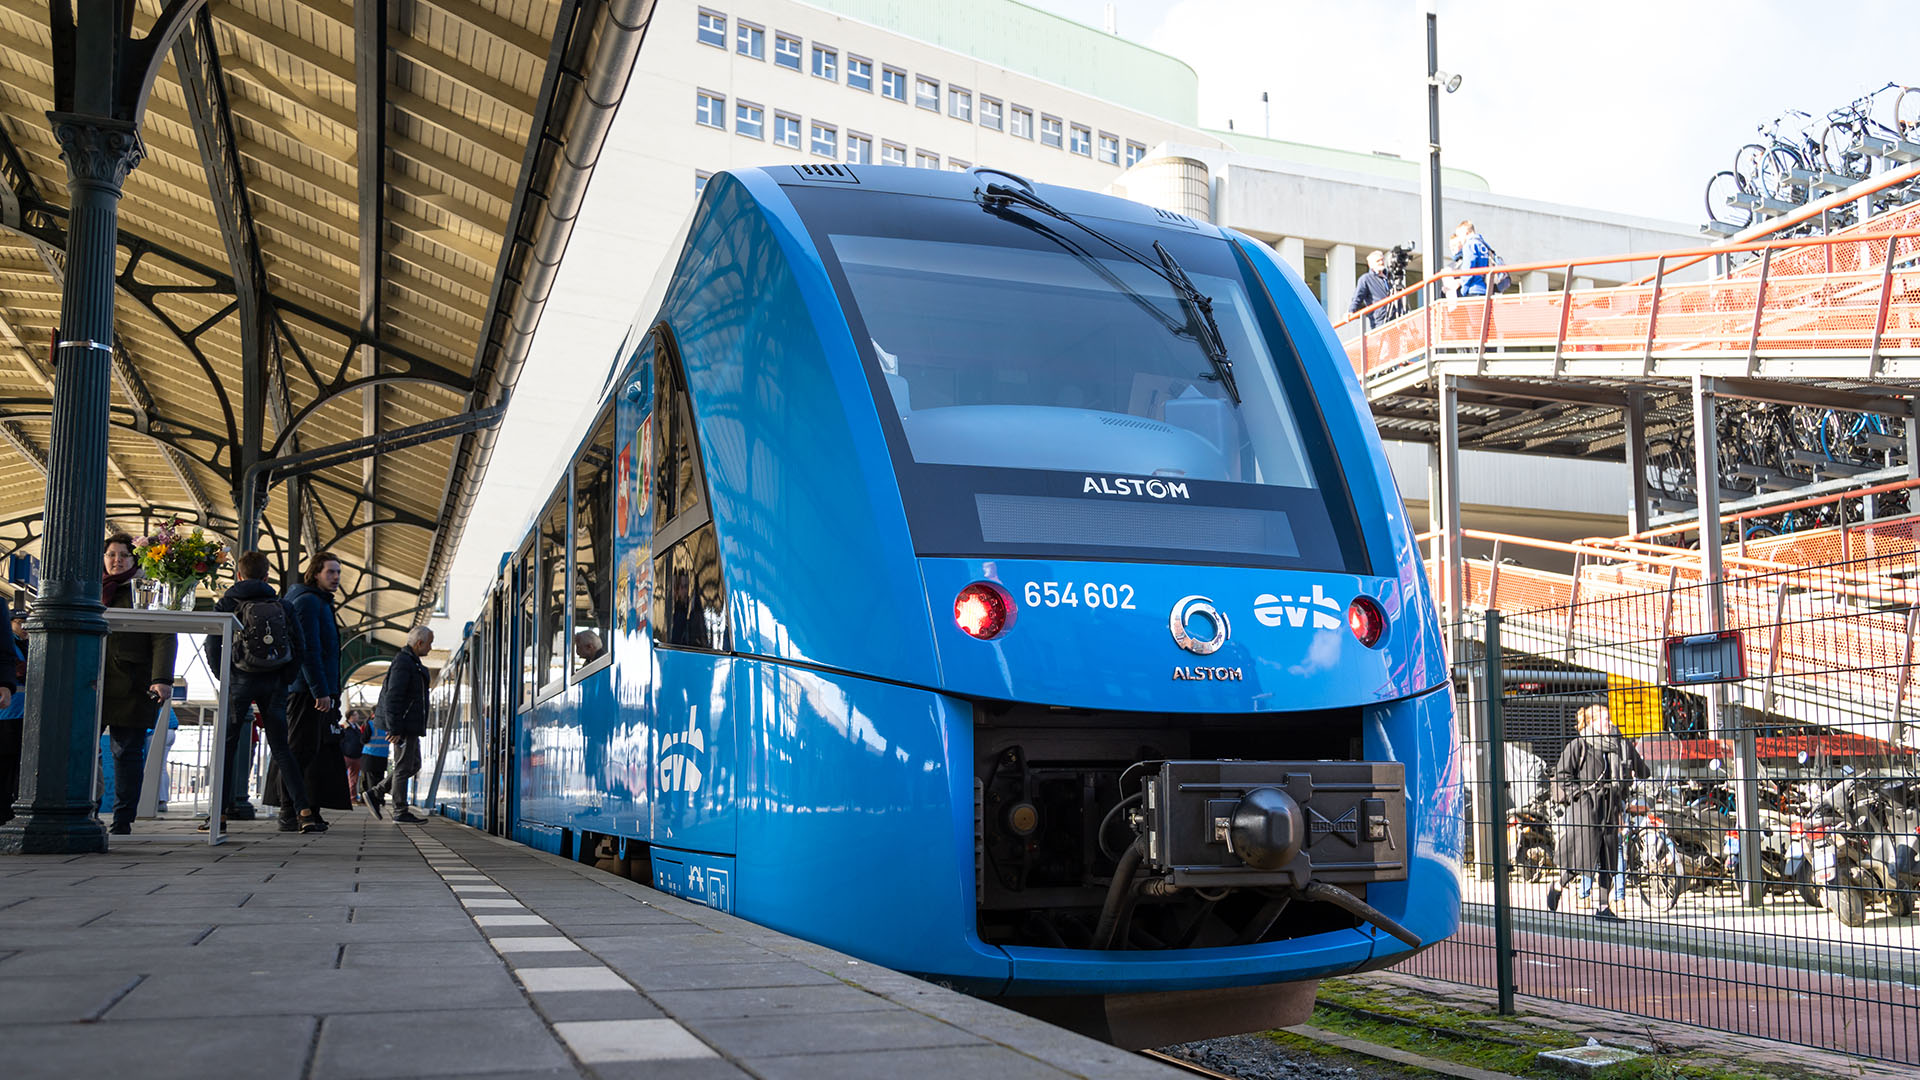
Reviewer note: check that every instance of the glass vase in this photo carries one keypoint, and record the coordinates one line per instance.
(177, 595)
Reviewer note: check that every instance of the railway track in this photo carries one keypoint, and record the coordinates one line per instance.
(1184, 1065)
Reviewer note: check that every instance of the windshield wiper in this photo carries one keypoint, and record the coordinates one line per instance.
(1200, 312)
(1198, 306)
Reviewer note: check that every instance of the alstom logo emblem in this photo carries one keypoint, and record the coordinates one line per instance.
(1293, 611)
(1127, 485)
(1192, 608)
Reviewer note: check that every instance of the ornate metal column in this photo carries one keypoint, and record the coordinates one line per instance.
(67, 629)
(102, 76)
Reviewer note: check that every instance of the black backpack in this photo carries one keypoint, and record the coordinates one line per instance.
(264, 642)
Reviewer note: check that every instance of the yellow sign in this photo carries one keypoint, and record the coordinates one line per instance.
(1635, 706)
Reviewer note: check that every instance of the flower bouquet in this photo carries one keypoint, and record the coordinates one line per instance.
(177, 560)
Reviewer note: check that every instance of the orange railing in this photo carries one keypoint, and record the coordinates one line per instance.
(1836, 633)
(1859, 297)
(1826, 544)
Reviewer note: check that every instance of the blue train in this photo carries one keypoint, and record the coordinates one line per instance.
(999, 582)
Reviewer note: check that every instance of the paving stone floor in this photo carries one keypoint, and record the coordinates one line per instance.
(379, 951)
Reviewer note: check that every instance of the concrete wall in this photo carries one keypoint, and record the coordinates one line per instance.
(1272, 198)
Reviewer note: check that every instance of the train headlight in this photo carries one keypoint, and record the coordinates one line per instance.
(1367, 621)
(982, 610)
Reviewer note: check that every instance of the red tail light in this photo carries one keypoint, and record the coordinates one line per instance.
(982, 610)
(1367, 621)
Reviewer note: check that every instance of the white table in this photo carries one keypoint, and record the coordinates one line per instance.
(141, 621)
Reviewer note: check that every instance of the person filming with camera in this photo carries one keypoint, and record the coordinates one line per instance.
(1374, 286)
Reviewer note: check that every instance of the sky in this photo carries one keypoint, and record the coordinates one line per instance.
(1626, 105)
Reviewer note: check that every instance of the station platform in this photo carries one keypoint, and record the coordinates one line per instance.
(375, 950)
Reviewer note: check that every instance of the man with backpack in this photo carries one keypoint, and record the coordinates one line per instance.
(267, 649)
(1470, 252)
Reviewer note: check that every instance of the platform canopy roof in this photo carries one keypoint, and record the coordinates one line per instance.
(342, 233)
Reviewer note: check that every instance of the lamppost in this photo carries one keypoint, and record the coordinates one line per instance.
(1437, 80)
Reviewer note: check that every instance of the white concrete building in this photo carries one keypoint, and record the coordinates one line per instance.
(939, 84)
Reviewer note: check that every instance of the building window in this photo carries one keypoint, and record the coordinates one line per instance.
(956, 165)
(926, 93)
(826, 63)
(1082, 143)
(892, 154)
(960, 104)
(710, 110)
(749, 121)
(1020, 123)
(713, 29)
(860, 74)
(924, 160)
(786, 130)
(990, 113)
(786, 51)
(826, 140)
(893, 84)
(750, 41)
(700, 178)
(1135, 151)
(859, 149)
(1110, 148)
(1050, 131)
(593, 572)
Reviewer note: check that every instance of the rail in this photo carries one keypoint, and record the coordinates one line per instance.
(1623, 599)
(1851, 294)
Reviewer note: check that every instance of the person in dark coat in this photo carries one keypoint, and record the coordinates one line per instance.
(352, 739)
(13, 699)
(1591, 781)
(138, 677)
(264, 688)
(402, 710)
(1373, 288)
(314, 695)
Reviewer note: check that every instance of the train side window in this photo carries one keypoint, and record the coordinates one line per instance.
(528, 632)
(593, 547)
(551, 590)
(689, 596)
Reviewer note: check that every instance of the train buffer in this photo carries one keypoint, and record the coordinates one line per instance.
(377, 950)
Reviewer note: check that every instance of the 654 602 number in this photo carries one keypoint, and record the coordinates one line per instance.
(1092, 594)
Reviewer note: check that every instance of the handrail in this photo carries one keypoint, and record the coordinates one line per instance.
(1874, 589)
(1784, 508)
(1642, 256)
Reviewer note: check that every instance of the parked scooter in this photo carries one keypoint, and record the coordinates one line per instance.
(1863, 839)
(1530, 838)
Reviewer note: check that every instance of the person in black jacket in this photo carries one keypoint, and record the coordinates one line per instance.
(136, 678)
(1373, 288)
(402, 711)
(260, 673)
(1592, 779)
(13, 692)
(313, 699)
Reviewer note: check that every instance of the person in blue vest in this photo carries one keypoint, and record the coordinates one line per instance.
(267, 649)
(1470, 252)
(13, 703)
(373, 759)
(314, 695)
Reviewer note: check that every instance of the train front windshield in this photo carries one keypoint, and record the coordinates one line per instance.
(1045, 395)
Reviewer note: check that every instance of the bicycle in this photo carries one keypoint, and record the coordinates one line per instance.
(1768, 170)
(1850, 125)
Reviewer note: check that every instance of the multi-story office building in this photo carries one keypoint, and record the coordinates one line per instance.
(931, 83)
